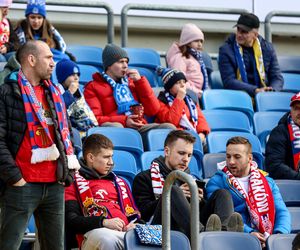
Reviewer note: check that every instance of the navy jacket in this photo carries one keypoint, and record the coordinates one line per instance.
(228, 66)
(279, 156)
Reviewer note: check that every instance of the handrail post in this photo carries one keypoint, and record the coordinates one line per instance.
(166, 209)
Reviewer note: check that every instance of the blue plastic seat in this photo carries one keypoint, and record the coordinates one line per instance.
(289, 64)
(216, 80)
(151, 77)
(280, 241)
(125, 165)
(126, 139)
(149, 156)
(228, 241)
(273, 101)
(289, 190)
(209, 163)
(86, 73)
(178, 242)
(228, 100)
(227, 120)
(295, 219)
(291, 82)
(90, 55)
(264, 122)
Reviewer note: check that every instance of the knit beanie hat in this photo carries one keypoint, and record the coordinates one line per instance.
(169, 76)
(189, 33)
(65, 68)
(111, 54)
(5, 3)
(36, 7)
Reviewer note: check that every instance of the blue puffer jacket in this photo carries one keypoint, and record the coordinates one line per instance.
(282, 215)
(228, 67)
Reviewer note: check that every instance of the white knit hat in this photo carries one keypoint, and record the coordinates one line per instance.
(189, 33)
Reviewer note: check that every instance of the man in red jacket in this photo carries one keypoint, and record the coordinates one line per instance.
(119, 96)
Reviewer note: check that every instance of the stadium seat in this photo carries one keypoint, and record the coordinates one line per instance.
(125, 165)
(289, 64)
(151, 77)
(209, 163)
(295, 219)
(123, 139)
(178, 242)
(264, 122)
(229, 100)
(227, 120)
(216, 80)
(149, 156)
(273, 101)
(90, 55)
(291, 82)
(289, 190)
(280, 241)
(86, 73)
(228, 241)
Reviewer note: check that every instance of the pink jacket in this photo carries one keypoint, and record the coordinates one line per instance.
(189, 66)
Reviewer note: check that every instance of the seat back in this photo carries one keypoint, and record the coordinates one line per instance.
(209, 163)
(151, 77)
(84, 54)
(228, 241)
(125, 139)
(229, 100)
(273, 101)
(289, 64)
(291, 82)
(264, 122)
(295, 219)
(280, 241)
(227, 120)
(178, 242)
(216, 80)
(86, 73)
(289, 190)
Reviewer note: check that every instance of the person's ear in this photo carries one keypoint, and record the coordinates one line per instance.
(31, 60)
(250, 157)
(89, 158)
(167, 151)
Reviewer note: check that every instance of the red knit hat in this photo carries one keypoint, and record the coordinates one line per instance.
(189, 33)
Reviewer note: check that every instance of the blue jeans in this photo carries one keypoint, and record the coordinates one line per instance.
(46, 202)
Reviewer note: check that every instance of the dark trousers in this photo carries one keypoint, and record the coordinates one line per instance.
(219, 203)
(46, 202)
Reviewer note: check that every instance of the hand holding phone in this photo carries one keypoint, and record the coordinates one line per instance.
(200, 184)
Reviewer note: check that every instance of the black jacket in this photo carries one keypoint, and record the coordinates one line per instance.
(13, 126)
(279, 157)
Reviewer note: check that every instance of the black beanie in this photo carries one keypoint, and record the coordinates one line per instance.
(111, 54)
(170, 77)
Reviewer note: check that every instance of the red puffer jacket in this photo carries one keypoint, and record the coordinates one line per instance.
(99, 96)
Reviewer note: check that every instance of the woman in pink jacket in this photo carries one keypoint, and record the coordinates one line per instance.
(186, 56)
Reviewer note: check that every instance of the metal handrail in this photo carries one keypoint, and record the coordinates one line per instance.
(87, 4)
(171, 8)
(166, 209)
(268, 32)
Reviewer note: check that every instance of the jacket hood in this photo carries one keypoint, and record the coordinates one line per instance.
(173, 50)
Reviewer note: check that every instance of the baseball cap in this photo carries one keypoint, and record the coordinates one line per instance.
(295, 98)
(247, 22)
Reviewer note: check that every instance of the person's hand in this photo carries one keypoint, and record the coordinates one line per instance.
(3, 49)
(261, 238)
(73, 87)
(263, 89)
(20, 183)
(187, 193)
(181, 93)
(132, 122)
(133, 74)
(130, 225)
(114, 224)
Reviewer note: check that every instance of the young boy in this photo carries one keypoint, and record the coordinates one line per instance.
(81, 116)
(99, 204)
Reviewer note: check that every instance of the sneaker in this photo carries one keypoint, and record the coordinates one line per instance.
(213, 223)
(235, 223)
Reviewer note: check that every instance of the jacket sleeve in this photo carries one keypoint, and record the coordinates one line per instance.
(277, 154)
(74, 218)
(145, 95)
(90, 95)
(143, 195)
(282, 215)
(274, 74)
(214, 184)
(202, 126)
(228, 68)
(9, 172)
(171, 114)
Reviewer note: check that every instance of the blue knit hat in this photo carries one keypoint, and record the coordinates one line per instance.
(36, 7)
(65, 68)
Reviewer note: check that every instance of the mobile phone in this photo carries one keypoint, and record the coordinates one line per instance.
(200, 184)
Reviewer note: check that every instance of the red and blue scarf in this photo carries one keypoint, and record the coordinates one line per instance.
(35, 116)
(294, 132)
